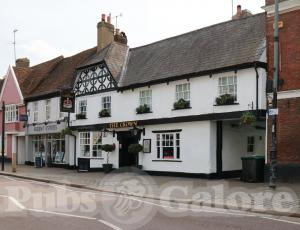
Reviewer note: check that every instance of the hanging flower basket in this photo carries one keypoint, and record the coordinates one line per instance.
(248, 118)
(66, 131)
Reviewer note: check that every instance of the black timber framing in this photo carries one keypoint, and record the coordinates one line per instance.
(219, 148)
(182, 119)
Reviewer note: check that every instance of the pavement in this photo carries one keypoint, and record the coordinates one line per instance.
(28, 204)
(225, 194)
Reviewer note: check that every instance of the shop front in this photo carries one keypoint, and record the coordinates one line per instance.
(47, 146)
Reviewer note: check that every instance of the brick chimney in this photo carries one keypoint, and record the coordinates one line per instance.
(241, 13)
(23, 63)
(105, 32)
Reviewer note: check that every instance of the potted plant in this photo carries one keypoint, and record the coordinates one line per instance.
(181, 104)
(143, 109)
(248, 118)
(104, 113)
(135, 149)
(66, 131)
(80, 116)
(225, 99)
(108, 148)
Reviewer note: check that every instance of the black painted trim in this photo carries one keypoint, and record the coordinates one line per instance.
(167, 131)
(197, 74)
(182, 119)
(219, 152)
(223, 175)
(228, 104)
(98, 92)
(166, 161)
(42, 97)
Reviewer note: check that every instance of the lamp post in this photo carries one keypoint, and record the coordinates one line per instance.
(273, 152)
(3, 133)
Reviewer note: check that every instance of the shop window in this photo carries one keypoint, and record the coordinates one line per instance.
(35, 111)
(250, 144)
(168, 146)
(82, 107)
(106, 103)
(146, 98)
(11, 113)
(48, 109)
(228, 85)
(183, 92)
(84, 144)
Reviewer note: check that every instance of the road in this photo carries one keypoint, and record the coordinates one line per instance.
(26, 204)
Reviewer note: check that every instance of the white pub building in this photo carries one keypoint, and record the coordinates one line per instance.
(182, 98)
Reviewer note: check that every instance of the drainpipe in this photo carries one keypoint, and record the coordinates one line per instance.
(257, 77)
(74, 140)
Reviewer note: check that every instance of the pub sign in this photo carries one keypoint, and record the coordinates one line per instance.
(67, 101)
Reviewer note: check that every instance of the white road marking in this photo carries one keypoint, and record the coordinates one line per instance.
(109, 225)
(61, 214)
(132, 198)
(280, 220)
(17, 203)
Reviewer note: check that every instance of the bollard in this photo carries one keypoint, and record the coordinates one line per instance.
(14, 162)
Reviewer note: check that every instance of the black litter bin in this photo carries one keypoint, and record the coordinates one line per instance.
(38, 162)
(253, 168)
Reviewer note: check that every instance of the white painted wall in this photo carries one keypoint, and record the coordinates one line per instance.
(54, 110)
(204, 90)
(235, 144)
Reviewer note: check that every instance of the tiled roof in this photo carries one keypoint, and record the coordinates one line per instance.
(114, 56)
(226, 44)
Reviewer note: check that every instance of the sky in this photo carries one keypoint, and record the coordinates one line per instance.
(50, 28)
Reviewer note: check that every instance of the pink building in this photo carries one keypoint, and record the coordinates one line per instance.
(12, 96)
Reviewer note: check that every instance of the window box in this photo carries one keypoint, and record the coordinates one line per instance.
(80, 116)
(143, 109)
(104, 113)
(182, 104)
(225, 99)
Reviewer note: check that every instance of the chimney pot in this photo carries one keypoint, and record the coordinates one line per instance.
(103, 17)
(239, 10)
(109, 19)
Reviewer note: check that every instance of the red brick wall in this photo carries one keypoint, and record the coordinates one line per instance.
(289, 49)
(289, 109)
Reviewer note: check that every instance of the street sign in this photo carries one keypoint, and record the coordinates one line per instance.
(23, 117)
(273, 112)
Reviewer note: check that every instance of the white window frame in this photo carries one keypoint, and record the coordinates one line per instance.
(48, 109)
(106, 103)
(35, 111)
(146, 98)
(228, 85)
(168, 140)
(82, 106)
(183, 91)
(90, 139)
(11, 113)
(250, 144)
